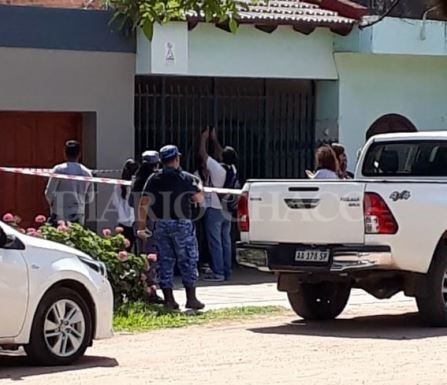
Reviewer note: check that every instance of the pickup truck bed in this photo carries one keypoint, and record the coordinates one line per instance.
(385, 231)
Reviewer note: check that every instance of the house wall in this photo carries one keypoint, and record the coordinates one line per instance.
(326, 110)
(210, 51)
(374, 85)
(396, 36)
(93, 74)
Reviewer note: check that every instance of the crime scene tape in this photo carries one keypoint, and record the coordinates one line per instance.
(48, 174)
(93, 171)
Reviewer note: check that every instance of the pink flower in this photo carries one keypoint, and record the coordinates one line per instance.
(122, 256)
(107, 233)
(8, 217)
(40, 219)
(30, 231)
(152, 257)
(38, 234)
(62, 228)
(61, 223)
(119, 230)
(126, 243)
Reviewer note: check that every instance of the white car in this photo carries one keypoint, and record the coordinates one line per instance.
(54, 300)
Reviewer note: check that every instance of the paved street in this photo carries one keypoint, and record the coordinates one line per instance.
(379, 342)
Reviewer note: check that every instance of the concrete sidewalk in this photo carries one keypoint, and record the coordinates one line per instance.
(250, 287)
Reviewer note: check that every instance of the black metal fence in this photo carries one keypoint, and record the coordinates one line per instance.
(269, 122)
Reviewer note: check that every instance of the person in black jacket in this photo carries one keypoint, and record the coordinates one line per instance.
(150, 164)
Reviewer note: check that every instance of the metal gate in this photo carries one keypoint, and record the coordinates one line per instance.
(269, 122)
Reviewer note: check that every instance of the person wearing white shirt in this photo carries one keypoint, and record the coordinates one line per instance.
(217, 221)
(120, 199)
(327, 164)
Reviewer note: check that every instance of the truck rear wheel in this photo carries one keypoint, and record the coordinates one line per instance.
(320, 301)
(433, 304)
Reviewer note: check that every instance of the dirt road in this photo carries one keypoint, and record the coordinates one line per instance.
(372, 343)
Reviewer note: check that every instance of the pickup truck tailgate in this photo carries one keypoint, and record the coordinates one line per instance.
(308, 212)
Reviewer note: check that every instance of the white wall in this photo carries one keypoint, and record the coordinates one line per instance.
(375, 85)
(93, 82)
(211, 51)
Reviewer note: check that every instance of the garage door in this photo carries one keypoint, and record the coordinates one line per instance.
(31, 139)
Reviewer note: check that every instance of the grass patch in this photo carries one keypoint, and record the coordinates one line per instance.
(139, 317)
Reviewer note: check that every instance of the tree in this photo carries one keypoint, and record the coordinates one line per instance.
(145, 13)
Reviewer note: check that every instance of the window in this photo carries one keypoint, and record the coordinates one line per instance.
(427, 158)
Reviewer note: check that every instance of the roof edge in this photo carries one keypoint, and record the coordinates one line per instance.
(346, 8)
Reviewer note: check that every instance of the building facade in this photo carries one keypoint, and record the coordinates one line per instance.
(64, 74)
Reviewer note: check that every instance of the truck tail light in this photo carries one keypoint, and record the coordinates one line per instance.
(242, 213)
(378, 217)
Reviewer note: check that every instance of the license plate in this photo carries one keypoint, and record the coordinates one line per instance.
(312, 255)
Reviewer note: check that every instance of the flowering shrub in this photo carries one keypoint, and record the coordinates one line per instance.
(124, 269)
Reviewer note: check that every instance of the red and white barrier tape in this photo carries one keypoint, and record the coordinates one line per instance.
(93, 171)
(48, 174)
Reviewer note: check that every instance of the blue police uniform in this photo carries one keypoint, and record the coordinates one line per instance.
(170, 191)
(176, 240)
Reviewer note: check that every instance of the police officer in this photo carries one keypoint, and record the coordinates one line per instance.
(169, 194)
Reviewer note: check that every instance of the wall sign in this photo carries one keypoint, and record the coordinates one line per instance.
(169, 55)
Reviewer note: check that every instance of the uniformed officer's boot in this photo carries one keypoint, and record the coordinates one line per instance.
(191, 300)
(170, 300)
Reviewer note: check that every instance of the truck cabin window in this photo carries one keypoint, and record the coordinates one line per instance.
(418, 159)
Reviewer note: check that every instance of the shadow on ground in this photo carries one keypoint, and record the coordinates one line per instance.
(241, 276)
(16, 368)
(406, 326)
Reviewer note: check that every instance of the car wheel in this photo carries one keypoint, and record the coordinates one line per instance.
(62, 328)
(432, 304)
(320, 301)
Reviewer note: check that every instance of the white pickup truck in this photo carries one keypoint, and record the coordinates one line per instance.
(385, 231)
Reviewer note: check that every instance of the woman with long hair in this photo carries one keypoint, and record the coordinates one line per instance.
(327, 163)
(120, 198)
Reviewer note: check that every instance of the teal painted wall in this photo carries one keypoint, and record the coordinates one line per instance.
(375, 85)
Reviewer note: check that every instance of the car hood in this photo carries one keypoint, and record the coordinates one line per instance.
(50, 245)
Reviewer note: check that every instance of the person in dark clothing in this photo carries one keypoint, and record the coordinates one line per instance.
(340, 152)
(169, 194)
(150, 164)
(198, 217)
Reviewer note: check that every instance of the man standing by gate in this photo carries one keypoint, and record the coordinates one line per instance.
(169, 193)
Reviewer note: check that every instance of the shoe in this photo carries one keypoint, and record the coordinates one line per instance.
(213, 278)
(191, 299)
(169, 302)
(206, 270)
(154, 298)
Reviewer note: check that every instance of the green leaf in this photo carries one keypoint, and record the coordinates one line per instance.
(148, 29)
(233, 25)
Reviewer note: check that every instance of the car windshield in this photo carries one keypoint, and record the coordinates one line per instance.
(408, 158)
